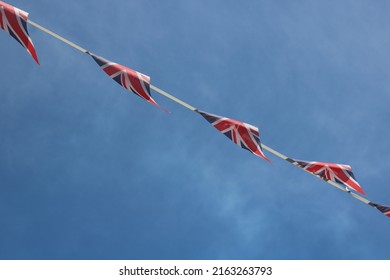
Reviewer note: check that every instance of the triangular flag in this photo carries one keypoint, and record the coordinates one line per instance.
(244, 135)
(130, 79)
(338, 173)
(14, 22)
(384, 209)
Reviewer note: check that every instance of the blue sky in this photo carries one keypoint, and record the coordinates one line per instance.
(89, 171)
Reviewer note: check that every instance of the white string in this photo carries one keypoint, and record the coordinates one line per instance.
(57, 36)
(192, 108)
(177, 100)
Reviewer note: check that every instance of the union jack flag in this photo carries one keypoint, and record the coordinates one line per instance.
(14, 22)
(128, 78)
(244, 135)
(384, 209)
(338, 173)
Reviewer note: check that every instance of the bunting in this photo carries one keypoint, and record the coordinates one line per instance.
(14, 21)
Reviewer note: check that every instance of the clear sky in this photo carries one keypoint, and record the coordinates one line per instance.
(90, 171)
